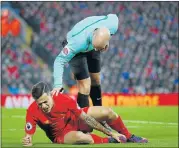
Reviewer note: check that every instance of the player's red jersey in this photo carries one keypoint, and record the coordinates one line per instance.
(35, 117)
(63, 117)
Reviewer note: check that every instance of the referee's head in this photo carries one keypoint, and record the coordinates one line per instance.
(101, 39)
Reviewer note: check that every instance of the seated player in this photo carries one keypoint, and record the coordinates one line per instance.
(64, 122)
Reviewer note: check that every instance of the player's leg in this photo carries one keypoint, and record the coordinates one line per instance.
(94, 66)
(78, 137)
(95, 91)
(79, 68)
(101, 113)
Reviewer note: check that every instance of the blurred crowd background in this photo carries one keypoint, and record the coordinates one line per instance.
(143, 55)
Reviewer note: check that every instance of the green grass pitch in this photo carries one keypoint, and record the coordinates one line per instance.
(158, 124)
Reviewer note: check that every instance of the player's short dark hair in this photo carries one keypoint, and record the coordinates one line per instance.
(39, 89)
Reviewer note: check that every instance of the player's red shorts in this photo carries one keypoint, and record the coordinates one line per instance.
(80, 126)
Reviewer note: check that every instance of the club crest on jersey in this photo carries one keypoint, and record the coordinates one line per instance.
(65, 51)
(28, 126)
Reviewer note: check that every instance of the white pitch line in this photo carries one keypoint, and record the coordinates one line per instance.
(126, 121)
(13, 129)
(145, 126)
(13, 116)
(18, 116)
(150, 122)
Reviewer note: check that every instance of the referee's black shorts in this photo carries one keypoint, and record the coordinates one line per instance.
(84, 63)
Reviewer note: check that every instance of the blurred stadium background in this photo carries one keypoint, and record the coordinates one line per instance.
(140, 69)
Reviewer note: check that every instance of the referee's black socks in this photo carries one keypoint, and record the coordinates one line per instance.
(82, 100)
(95, 94)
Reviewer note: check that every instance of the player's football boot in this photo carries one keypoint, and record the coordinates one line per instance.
(137, 139)
(122, 138)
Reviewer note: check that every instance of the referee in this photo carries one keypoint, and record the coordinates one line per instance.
(82, 48)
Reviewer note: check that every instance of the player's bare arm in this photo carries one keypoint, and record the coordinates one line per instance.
(27, 140)
(96, 125)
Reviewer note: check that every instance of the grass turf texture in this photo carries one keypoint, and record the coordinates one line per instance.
(158, 124)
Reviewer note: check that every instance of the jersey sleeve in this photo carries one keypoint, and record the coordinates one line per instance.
(65, 56)
(75, 45)
(112, 23)
(30, 126)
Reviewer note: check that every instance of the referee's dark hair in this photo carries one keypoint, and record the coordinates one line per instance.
(39, 89)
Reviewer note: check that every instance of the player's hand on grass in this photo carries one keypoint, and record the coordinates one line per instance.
(56, 91)
(27, 141)
(119, 137)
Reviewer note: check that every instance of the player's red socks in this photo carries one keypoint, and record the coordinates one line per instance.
(99, 140)
(119, 126)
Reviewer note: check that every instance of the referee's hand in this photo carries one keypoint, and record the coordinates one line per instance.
(56, 91)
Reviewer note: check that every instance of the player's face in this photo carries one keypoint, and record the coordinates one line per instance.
(45, 103)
